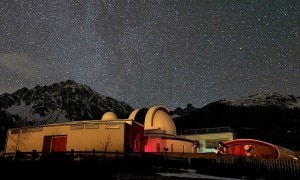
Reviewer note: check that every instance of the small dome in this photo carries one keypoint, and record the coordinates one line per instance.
(138, 115)
(133, 114)
(109, 116)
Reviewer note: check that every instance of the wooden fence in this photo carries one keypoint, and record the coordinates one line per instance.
(226, 165)
(258, 167)
(64, 155)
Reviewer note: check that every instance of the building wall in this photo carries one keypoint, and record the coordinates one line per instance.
(157, 144)
(209, 141)
(80, 137)
(134, 135)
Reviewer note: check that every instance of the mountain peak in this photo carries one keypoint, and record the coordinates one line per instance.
(63, 101)
(266, 99)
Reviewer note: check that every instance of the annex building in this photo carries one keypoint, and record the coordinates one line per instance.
(108, 134)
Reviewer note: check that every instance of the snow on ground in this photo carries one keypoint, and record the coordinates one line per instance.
(191, 173)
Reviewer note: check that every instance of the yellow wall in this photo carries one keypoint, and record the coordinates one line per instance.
(178, 145)
(77, 139)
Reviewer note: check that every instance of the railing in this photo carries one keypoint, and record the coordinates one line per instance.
(225, 165)
(252, 167)
(63, 155)
(205, 130)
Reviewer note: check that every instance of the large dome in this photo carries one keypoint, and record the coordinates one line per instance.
(158, 118)
(109, 116)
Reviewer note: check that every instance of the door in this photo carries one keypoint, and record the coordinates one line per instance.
(59, 143)
(54, 143)
(157, 147)
(47, 144)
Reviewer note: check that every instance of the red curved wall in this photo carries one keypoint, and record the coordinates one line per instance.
(260, 148)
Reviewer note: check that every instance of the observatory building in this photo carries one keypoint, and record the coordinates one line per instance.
(145, 130)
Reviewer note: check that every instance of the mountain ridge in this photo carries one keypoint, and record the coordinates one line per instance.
(262, 113)
(64, 101)
(265, 99)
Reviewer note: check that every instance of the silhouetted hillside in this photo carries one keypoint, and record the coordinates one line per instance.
(270, 123)
(216, 114)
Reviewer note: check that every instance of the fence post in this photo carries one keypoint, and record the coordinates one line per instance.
(34, 155)
(94, 153)
(17, 155)
(72, 153)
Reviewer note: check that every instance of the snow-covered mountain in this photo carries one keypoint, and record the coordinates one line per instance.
(265, 100)
(59, 102)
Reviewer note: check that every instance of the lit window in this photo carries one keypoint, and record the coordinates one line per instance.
(212, 143)
(76, 126)
(91, 126)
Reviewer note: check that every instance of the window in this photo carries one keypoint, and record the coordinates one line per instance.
(157, 147)
(14, 131)
(21, 130)
(24, 130)
(212, 143)
(91, 126)
(36, 129)
(76, 126)
(112, 126)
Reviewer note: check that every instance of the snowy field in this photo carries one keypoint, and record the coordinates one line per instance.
(191, 174)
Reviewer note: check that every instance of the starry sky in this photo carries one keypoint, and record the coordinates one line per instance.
(149, 52)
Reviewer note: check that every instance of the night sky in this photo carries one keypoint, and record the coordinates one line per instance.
(153, 52)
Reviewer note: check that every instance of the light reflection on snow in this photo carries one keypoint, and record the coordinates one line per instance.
(191, 173)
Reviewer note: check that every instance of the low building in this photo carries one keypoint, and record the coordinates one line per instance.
(208, 138)
(145, 130)
(108, 134)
